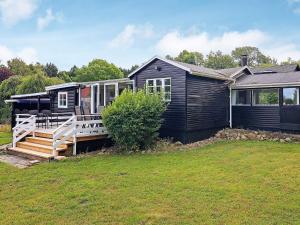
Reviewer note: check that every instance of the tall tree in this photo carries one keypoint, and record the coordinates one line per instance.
(98, 69)
(36, 82)
(255, 56)
(51, 70)
(5, 73)
(218, 60)
(185, 56)
(290, 61)
(126, 72)
(18, 67)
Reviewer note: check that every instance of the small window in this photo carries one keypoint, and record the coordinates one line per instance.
(62, 99)
(241, 97)
(290, 96)
(266, 97)
(160, 85)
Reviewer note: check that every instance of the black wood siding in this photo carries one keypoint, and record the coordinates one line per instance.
(258, 117)
(71, 100)
(207, 103)
(175, 116)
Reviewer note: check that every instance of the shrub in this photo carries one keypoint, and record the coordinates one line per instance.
(133, 119)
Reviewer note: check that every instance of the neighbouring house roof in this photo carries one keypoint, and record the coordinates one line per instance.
(268, 80)
(276, 69)
(226, 74)
(41, 94)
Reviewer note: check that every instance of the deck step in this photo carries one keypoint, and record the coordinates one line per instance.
(43, 134)
(29, 154)
(46, 141)
(38, 147)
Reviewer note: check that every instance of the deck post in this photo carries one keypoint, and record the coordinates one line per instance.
(74, 136)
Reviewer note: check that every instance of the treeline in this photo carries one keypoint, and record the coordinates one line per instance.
(219, 60)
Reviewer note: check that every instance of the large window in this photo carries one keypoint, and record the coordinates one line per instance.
(160, 85)
(290, 96)
(266, 96)
(241, 97)
(62, 99)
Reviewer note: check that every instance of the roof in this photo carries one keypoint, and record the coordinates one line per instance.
(195, 70)
(29, 95)
(268, 80)
(276, 69)
(59, 86)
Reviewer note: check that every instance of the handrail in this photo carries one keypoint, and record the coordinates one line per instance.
(27, 126)
(63, 133)
(26, 120)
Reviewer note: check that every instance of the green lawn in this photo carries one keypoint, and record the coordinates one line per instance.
(5, 138)
(224, 183)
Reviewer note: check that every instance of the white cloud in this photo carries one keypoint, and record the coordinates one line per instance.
(174, 42)
(13, 11)
(43, 22)
(131, 33)
(28, 54)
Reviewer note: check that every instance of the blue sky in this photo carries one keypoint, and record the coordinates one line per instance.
(128, 32)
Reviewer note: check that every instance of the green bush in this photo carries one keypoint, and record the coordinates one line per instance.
(133, 119)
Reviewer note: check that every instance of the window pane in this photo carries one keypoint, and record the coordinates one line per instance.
(168, 89)
(158, 89)
(167, 96)
(151, 89)
(150, 83)
(241, 97)
(290, 96)
(265, 96)
(158, 82)
(168, 81)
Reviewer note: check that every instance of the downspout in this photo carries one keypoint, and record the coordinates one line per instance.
(230, 107)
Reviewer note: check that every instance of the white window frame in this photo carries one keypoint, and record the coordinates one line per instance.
(59, 100)
(234, 92)
(163, 85)
(268, 105)
(297, 96)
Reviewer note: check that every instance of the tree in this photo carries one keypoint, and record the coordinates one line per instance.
(36, 83)
(51, 70)
(134, 118)
(290, 61)
(255, 57)
(218, 60)
(185, 56)
(7, 88)
(18, 67)
(98, 69)
(126, 72)
(5, 73)
(195, 58)
(64, 75)
(72, 72)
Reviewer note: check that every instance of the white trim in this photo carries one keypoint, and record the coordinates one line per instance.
(162, 86)
(162, 59)
(116, 90)
(297, 89)
(242, 69)
(230, 108)
(278, 85)
(29, 95)
(58, 100)
(58, 86)
(268, 105)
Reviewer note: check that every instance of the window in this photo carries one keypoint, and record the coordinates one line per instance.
(290, 96)
(62, 99)
(241, 97)
(160, 85)
(266, 96)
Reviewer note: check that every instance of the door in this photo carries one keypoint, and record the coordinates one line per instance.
(95, 98)
(110, 92)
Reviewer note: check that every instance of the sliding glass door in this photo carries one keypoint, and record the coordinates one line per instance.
(110, 92)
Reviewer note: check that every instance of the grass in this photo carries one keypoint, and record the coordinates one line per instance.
(5, 137)
(224, 183)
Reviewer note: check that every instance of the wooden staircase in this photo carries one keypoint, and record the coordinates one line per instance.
(40, 146)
